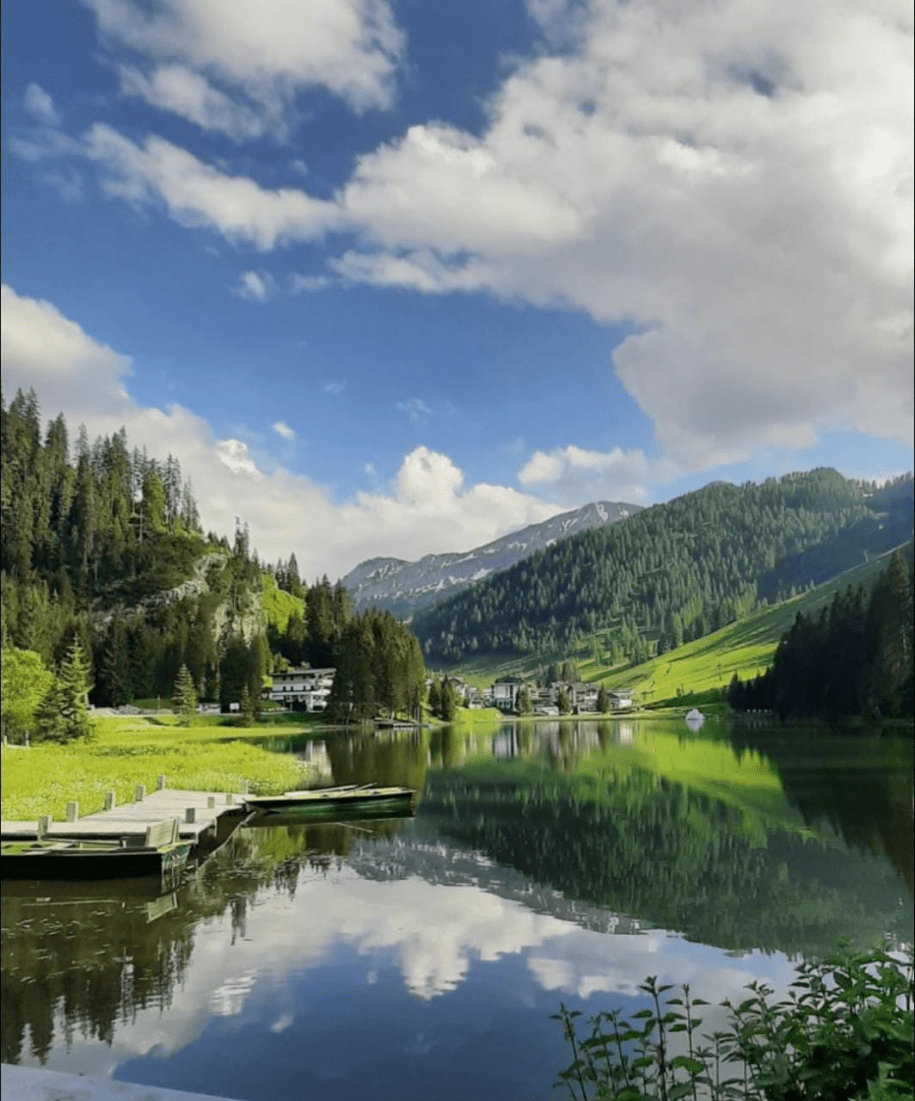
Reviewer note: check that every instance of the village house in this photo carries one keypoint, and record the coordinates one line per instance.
(306, 688)
(544, 699)
(505, 693)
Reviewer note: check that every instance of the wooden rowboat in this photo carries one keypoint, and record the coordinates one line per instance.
(155, 852)
(368, 798)
(73, 858)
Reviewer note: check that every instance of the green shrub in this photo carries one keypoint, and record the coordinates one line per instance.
(844, 1032)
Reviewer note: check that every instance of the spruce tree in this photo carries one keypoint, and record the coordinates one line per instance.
(47, 719)
(185, 696)
(74, 690)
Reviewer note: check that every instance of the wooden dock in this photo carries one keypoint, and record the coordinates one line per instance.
(196, 811)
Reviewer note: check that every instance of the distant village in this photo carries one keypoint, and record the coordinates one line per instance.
(309, 690)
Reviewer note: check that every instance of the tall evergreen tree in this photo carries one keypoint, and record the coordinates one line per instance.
(184, 696)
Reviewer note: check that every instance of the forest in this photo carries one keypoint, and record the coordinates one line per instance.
(676, 571)
(109, 584)
(855, 658)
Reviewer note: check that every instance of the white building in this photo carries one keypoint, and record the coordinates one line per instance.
(310, 687)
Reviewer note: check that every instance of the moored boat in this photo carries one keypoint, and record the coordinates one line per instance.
(75, 858)
(369, 798)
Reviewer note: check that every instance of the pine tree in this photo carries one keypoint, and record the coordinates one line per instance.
(603, 700)
(74, 690)
(435, 697)
(48, 720)
(185, 696)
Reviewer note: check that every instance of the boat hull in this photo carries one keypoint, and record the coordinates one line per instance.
(83, 860)
(382, 801)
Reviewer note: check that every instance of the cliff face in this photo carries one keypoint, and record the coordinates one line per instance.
(232, 608)
(406, 587)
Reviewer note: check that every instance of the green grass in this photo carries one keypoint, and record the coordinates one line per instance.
(278, 605)
(696, 672)
(122, 753)
(478, 716)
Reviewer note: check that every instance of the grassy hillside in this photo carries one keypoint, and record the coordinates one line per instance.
(698, 670)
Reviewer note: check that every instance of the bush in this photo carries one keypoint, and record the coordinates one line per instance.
(845, 1031)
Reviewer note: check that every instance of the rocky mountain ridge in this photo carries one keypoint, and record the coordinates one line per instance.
(403, 587)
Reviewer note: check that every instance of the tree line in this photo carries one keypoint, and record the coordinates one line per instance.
(855, 658)
(674, 572)
(102, 555)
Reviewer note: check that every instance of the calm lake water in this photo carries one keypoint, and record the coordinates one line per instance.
(422, 959)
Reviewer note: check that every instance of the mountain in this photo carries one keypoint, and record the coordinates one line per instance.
(406, 587)
(676, 571)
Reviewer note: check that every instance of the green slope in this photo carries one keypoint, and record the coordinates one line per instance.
(698, 670)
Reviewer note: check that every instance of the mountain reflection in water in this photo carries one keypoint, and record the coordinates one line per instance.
(568, 859)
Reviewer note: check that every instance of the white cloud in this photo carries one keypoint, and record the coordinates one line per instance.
(196, 194)
(283, 429)
(734, 182)
(762, 243)
(40, 105)
(184, 92)
(334, 386)
(426, 510)
(256, 286)
(572, 474)
(263, 52)
(300, 283)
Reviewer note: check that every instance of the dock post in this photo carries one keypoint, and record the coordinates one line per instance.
(230, 799)
(110, 800)
(160, 783)
(244, 787)
(72, 812)
(44, 824)
(139, 794)
(211, 802)
(190, 814)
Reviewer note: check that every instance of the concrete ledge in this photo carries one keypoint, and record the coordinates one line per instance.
(38, 1084)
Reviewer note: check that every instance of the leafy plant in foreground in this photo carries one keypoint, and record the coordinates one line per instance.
(844, 1031)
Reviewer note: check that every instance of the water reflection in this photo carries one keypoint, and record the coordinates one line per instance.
(568, 859)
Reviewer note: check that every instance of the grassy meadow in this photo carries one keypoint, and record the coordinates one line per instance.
(124, 752)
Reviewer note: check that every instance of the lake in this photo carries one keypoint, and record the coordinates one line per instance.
(422, 959)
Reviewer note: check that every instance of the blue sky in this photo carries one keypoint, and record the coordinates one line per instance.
(400, 277)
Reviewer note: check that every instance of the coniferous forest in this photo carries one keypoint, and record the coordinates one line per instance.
(856, 658)
(676, 571)
(109, 583)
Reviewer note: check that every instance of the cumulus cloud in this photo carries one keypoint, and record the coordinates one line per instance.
(427, 508)
(733, 182)
(256, 286)
(283, 429)
(262, 54)
(180, 90)
(572, 474)
(196, 194)
(40, 106)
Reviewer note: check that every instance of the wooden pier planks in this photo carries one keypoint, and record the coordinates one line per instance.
(136, 818)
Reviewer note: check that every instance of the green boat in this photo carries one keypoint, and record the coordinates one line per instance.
(368, 799)
(75, 859)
